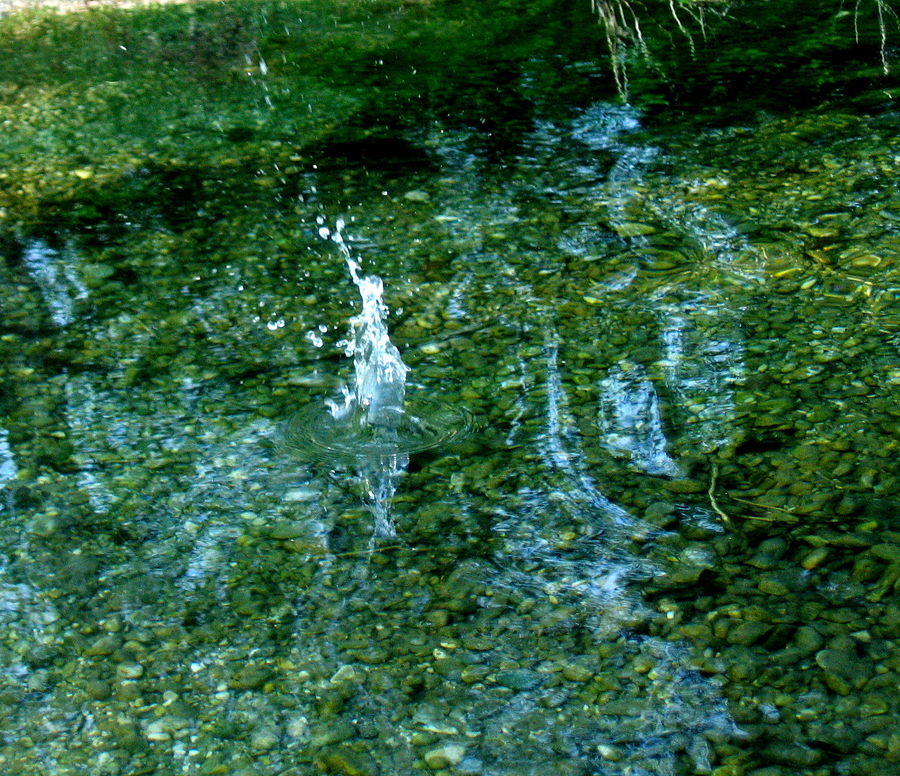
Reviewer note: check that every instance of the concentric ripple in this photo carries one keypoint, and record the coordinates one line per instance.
(425, 424)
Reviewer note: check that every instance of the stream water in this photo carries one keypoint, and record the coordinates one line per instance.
(611, 490)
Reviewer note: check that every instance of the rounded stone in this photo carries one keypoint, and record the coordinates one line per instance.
(286, 530)
(789, 753)
(44, 526)
(748, 633)
(842, 669)
(129, 670)
(815, 558)
(808, 639)
(444, 756)
(264, 738)
(97, 689)
(576, 672)
(105, 645)
(837, 661)
(518, 679)
(250, 677)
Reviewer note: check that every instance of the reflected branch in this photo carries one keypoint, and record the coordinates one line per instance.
(622, 19)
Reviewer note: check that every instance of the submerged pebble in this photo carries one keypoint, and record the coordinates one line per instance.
(444, 756)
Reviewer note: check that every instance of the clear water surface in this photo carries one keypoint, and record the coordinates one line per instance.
(668, 545)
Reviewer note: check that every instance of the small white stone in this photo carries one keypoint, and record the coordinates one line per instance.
(444, 756)
(298, 727)
(156, 731)
(608, 752)
(345, 673)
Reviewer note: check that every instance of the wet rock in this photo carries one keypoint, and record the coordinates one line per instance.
(842, 669)
(577, 672)
(693, 560)
(94, 274)
(373, 655)
(45, 526)
(553, 699)
(762, 560)
(264, 738)
(129, 670)
(684, 486)
(297, 727)
(326, 734)
(633, 229)
(474, 673)
(807, 639)
(346, 763)
(775, 547)
(623, 707)
(157, 731)
(250, 677)
(791, 754)
(518, 679)
(422, 738)
(873, 704)
(815, 558)
(837, 737)
(287, 530)
(438, 617)
(125, 734)
(728, 769)
(444, 756)
(742, 665)
(660, 513)
(128, 691)
(848, 506)
(346, 673)
(97, 689)
(886, 551)
(781, 582)
(477, 643)
(105, 645)
(748, 633)
(40, 655)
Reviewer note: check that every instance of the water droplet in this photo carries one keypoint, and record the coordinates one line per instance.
(314, 338)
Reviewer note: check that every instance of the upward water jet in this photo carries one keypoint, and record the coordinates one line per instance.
(380, 386)
(373, 426)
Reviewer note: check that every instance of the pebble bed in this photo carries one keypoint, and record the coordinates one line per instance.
(669, 545)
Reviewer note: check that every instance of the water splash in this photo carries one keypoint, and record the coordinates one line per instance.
(380, 386)
(373, 426)
(374, 420)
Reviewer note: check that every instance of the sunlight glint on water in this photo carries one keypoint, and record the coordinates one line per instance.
(56, 277)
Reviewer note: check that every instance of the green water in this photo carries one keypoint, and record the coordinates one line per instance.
(669, 545)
